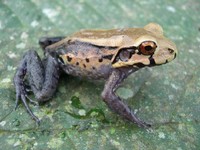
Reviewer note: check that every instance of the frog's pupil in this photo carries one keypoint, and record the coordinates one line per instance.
(148, 48)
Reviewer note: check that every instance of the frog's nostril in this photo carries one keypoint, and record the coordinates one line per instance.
(170, 50)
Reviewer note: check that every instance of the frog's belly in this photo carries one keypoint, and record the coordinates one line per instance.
(100, 72)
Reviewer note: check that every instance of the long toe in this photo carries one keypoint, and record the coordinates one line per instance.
(143, 124)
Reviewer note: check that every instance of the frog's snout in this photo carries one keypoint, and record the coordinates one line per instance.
(173, 52)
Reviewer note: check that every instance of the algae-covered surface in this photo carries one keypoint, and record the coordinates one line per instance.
(166, 96)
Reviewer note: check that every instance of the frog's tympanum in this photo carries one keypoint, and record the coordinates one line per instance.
(96, 54)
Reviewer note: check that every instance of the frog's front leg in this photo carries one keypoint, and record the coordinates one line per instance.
(115, 103)
(42, 76)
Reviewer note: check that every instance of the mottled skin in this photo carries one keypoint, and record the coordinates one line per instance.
(96, 54)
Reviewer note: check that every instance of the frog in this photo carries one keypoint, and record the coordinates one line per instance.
(110, 55)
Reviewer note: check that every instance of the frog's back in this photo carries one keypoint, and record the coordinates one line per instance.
(81, 58)
(109, 38)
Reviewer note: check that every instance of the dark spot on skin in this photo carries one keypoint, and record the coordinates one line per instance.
(87, 60)
(152, 61)
(69, 42)
(93, 68)
(84, 65)
(100, 59)
(166, 61)
(69, 58)
(77, 63)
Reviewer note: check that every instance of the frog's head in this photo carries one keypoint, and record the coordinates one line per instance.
(146, 47)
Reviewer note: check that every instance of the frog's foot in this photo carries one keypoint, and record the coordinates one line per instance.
(123, 110)
(21, 92)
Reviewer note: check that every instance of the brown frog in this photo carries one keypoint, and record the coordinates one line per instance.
(97, 54)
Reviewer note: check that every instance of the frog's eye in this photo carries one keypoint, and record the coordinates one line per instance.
(147, 47)
(125, 54)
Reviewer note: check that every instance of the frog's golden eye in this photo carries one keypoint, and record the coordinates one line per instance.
(147, 47)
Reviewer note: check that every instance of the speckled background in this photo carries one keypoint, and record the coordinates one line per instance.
(167, 96)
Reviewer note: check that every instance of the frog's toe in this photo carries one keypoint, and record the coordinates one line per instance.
(139, 122)
(21, 95)
(19, 91)
(144, 124)
(24, 100)
(32, 101)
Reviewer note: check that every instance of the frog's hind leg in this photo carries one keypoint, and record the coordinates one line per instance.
(46, 41)
(42, 76)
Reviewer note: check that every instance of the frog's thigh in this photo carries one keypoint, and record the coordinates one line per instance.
(35, 70)
(43, 75)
